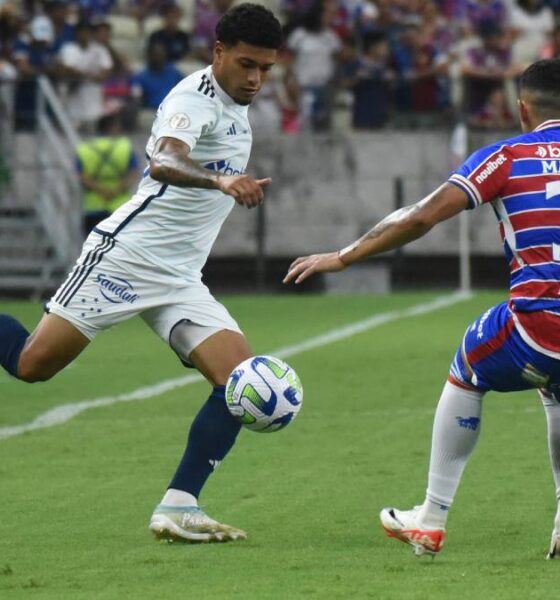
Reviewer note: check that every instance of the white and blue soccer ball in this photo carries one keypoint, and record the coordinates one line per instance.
(264, 393)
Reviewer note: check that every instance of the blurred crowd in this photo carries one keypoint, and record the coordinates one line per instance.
(365, 64)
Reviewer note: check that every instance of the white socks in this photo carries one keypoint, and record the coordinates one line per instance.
(178, 498)
(455, 433)
(552, 411)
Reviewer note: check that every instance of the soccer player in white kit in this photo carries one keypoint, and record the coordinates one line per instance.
(146, 258)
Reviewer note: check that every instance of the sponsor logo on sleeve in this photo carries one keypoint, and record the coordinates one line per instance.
(490, 167)
(480, 326)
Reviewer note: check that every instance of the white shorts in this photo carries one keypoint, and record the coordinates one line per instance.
(109, 284)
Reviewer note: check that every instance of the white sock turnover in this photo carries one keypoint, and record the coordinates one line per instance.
(178, 498)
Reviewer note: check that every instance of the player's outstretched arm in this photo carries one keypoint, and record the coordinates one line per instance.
(397, 229)
(171, 164)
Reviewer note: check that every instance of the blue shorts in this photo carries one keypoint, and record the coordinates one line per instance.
(493, 356)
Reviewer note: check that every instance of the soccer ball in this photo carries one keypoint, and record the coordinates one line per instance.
(264, 393)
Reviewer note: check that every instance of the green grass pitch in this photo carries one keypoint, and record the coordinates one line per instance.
(75, 499)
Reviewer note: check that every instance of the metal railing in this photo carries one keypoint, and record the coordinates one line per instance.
(7, 96)
(58, 196)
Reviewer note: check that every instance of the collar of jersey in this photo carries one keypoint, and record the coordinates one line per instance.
(550, 124)
(224, 96)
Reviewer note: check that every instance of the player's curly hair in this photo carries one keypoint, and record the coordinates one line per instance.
(542, 81)
(250, 23)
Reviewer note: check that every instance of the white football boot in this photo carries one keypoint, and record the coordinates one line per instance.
(554, 551)
(190, 524)
(403, 525)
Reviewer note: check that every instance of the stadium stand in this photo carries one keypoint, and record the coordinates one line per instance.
(387, 67)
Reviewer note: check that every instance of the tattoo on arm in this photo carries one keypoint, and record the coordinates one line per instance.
(171, 164)
(388, 222)
(408, 223)
(393, 231)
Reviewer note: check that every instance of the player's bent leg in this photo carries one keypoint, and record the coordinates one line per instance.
(455, 434)
(492, 356)
(53, 345)
(218, 355)
(211, 436)
(13, 336)
(552, 411)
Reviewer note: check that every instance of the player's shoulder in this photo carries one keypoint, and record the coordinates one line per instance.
(198, 85)
(521, 141)
(195, 97)
(507, 146)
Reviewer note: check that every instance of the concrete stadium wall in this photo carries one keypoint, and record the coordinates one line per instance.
(326, 192)
(329, 190)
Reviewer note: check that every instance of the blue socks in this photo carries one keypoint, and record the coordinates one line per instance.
(211, 437)
(12, 339)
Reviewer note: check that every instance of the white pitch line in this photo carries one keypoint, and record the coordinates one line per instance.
(65, 412)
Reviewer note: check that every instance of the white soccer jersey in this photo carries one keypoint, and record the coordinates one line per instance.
(174, 228)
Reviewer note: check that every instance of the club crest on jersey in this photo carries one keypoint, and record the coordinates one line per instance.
(116, 289)
(179, 121)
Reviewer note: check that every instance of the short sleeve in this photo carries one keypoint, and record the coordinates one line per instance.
(186, 115)
(484, 174)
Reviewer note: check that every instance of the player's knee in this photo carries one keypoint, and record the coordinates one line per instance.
(34, 367)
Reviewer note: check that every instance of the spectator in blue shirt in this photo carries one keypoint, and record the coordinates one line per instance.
(91, 9)
(171, 36)
(57, 11)
(155, 82)
(33, 56)
(371, 80)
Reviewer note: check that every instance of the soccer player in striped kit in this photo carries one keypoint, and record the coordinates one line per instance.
(146, 258)
(512, 346)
